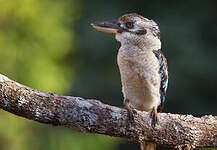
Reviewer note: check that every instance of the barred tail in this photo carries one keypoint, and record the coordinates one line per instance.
(148, 146)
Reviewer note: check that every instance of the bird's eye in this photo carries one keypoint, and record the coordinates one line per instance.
(129, 25)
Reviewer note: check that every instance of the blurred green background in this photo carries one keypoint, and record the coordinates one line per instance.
(49, 45)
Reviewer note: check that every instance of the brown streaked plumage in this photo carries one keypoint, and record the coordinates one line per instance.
(142, 65)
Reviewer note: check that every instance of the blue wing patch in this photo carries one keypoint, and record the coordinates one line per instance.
(163, 71)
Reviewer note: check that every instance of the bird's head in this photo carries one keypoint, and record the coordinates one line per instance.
(133, 29)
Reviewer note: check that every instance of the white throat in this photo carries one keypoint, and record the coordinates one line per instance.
(146, 43)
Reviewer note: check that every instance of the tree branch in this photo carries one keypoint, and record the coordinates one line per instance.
(87, 115)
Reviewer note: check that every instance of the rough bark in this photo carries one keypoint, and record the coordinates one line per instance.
(88, 115)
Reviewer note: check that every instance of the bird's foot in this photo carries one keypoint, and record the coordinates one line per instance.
(186, 147)
(154, 115)
(131, 111)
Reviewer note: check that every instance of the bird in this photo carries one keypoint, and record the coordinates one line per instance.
(142, 64)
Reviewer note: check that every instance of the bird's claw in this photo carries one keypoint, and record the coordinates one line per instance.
(154, 116)
(131, 111)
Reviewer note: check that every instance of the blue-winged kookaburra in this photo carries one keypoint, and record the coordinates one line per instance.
(142, 65)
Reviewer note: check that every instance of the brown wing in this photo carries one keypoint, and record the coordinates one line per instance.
(163, 71)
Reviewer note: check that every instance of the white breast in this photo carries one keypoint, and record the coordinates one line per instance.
(140, 77)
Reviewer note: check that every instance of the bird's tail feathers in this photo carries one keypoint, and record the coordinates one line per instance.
(148, 146)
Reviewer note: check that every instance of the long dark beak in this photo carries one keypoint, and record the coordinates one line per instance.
(107, 27)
